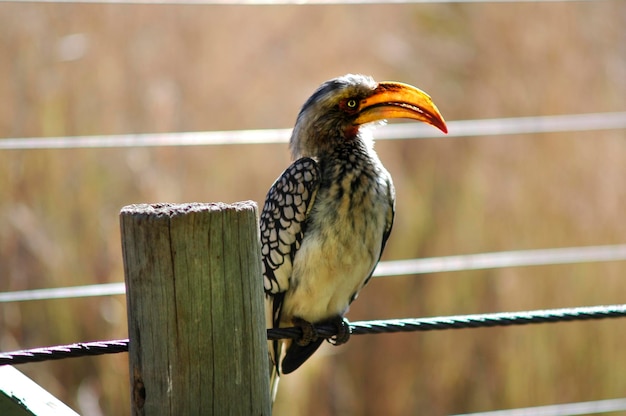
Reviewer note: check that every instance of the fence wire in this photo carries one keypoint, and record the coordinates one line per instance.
(400, 131)
(553, 256)
(566, 409)
(356, 328)
(462, 321)
(517, 258)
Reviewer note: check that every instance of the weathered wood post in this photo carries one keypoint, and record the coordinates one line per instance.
(195, 309)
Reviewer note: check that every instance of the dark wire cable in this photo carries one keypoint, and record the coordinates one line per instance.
(357, 328)
(462, 321)
(80, 349)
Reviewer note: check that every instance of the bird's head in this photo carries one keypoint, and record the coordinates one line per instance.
(340, 106)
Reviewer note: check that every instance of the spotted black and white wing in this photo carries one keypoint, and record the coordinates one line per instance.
(282, 225)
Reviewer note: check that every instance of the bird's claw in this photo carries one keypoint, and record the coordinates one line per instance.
(309, 333)
(343, 331)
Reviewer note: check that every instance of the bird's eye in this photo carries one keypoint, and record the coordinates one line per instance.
(351, 104)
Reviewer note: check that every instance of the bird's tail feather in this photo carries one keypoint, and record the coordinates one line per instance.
(285, 357)
(297, 354)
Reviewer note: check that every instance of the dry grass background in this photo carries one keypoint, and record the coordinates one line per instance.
(143, 69)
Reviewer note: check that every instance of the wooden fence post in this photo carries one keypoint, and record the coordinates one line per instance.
(195, 309)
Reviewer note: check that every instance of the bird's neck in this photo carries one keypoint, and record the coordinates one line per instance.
(357, 146)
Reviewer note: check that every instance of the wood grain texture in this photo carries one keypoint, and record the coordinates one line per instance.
(195, 309)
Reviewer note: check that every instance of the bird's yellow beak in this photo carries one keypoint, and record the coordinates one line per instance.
(398, 100)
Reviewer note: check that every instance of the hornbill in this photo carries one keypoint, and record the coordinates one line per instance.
(327, 218)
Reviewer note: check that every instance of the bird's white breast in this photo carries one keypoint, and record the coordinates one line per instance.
(340, 248)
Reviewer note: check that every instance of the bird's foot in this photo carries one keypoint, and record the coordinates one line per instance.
(309, 333)
(343, 331)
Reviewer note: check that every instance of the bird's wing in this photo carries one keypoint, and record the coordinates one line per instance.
(282, 225)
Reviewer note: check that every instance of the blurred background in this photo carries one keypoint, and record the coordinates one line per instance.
(71, 69)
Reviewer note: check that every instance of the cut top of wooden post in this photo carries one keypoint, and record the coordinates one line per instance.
(195, 309)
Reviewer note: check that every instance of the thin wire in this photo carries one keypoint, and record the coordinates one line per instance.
(461, 128)
(356, 328)
(103, 289)
(282, 2)
(500, 259)
(566, 409)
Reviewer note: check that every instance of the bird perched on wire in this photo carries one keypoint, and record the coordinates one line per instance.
(327, 218)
